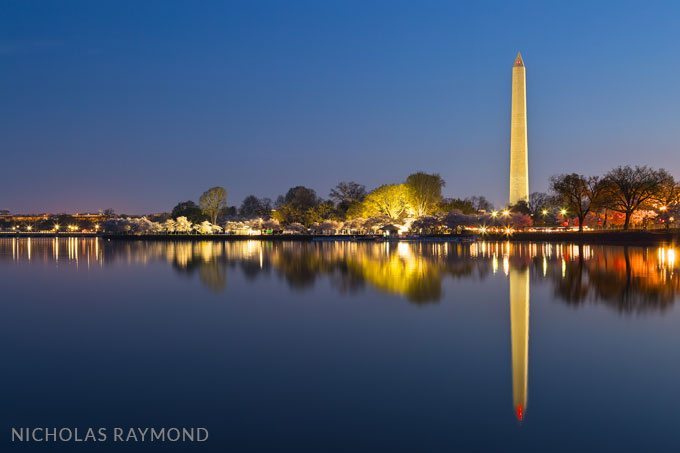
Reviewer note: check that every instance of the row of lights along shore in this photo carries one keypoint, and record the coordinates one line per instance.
(56, 227)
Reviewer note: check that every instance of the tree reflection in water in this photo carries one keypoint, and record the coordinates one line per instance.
(627, 279)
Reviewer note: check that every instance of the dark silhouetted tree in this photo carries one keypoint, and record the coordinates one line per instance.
(629, 188)
(189, 210)
(577, 194)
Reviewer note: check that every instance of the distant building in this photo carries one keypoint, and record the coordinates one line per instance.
(390, 230)
(28, 218)
(91, 217)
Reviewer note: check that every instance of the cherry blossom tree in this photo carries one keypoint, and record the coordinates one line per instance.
(183, 225)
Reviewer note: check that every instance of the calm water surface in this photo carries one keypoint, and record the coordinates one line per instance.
(317, 347)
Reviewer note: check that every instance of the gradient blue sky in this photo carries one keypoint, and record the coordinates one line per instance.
(139, 105)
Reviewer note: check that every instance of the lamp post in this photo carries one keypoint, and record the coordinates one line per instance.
(506, 214)
(663, 216)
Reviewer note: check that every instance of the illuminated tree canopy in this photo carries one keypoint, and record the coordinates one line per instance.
(212, 201)
(390, 200)
(424, 192)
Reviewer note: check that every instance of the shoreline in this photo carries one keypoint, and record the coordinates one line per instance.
(636, 237)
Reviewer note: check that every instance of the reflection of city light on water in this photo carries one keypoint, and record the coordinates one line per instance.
(671, 258)
(506, 265)
(666, 258)
(586, 252)
(403, 250)
(252, 247)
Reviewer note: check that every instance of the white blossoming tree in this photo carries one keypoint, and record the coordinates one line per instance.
(169, 226)
(140, 225)
(271, 224)
(183, 225)
(295, 228)
(208, 228)
(234, 227)
(255, 224)
(354, 226)
(327, 227)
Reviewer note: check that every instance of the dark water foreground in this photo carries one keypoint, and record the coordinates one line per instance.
(338, 346)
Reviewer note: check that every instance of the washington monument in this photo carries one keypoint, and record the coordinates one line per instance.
(519, 158)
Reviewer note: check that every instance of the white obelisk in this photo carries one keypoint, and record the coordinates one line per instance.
(519, 154)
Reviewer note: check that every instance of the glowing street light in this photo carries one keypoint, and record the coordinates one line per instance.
(56, 227)
(506, 213)
(29, 228)
(563, 211)
(663, 208)
(494, 213)
(545, 212)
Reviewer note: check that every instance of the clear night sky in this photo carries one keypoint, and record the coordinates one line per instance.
(138, 105)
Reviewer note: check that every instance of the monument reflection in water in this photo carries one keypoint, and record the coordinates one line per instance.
(629, 280)
(519, 331)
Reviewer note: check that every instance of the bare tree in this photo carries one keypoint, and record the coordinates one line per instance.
(577, 193)
(538, 201)
(255, 207)
(667, 199)
(630, 188)
(348, 192)
(480, 203)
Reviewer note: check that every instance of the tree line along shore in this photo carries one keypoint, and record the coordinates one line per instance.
(625, 198)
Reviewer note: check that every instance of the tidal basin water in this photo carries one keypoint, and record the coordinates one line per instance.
(344, 346)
